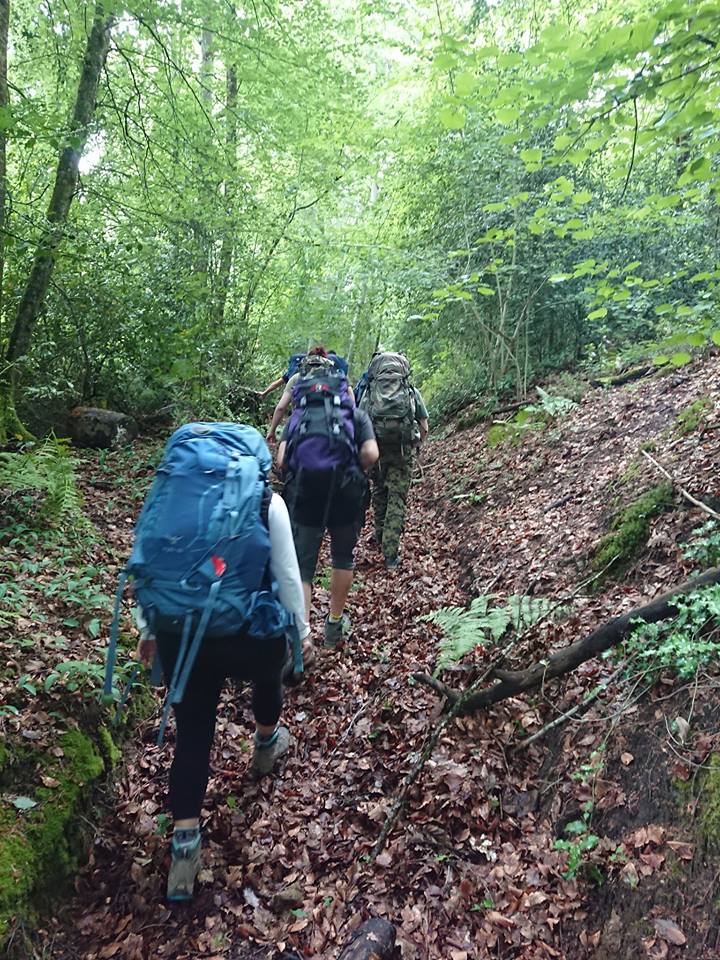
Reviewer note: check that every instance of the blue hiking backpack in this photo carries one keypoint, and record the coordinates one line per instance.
(361, 387)
(340, 362)
(200, 560)
(293, 365)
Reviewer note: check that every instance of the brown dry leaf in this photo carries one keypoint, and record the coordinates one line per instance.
(626, 758)
(110, 950)
(670, 931)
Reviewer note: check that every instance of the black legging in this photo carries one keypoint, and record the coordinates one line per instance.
(259, 662)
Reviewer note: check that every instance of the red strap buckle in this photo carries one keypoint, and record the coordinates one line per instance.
(219, 565)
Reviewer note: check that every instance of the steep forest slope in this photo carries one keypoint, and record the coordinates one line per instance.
(473, 868)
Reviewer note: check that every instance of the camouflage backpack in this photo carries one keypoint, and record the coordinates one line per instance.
(390, 399)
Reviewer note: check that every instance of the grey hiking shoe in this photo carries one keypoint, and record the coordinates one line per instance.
(184, 868)
(264, 758)
(336, 631)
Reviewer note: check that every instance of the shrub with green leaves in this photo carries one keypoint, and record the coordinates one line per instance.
(704, 545)
(486, 622)
(535, 416)
(684, 645)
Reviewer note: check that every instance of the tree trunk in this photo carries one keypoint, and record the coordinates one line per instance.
(228, 246)
(4, 108)
(66, 180)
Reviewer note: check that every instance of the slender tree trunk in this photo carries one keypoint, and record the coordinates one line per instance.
(66, 180)
(227, 247)
(4, 105)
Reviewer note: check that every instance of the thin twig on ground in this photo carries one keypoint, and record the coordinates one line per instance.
(683, 491)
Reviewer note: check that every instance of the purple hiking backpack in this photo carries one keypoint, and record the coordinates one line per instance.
(321, 431)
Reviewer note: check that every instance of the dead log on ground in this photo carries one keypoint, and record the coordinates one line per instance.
(513, 682)
(636, 373)
(373, 939)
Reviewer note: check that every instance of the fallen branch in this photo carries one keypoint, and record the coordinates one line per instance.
(683, 491)
(513, 682)
(627, 377)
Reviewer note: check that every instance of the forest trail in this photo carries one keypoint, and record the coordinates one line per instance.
(471, 870)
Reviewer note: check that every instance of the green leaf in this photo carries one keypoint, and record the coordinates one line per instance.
(452, 118)
(685, 311)
(486, 291)
(715, 337)
(507, 115)
(582, 197)
(680, 359)
(532, 155)
(597, 314)
(24, 803)
(664, 308)
(660, 360)
(696, 339)
(465, 83)
(444, 61)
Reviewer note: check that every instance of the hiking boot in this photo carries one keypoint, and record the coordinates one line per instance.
(336, 631)
(185, 865)
(264, 757)
(392, 564)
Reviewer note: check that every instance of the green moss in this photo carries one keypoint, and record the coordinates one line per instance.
(110, 751)
(708, 821)
(693, 416)
(648, 445)
(630, 473)
(630, 530)
(39, 848)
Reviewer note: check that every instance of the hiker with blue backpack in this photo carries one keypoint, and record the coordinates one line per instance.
(325, 451)
(292, 368)
(400, 420)
(218, 589)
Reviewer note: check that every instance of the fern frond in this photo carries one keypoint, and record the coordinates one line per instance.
(485, 622)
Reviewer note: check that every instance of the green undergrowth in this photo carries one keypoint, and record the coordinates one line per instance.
(708, 820)
(47, 804)
(693, 416)
(40, 845)
(630, 531)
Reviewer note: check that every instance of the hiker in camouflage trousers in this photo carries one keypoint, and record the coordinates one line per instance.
(392, 478)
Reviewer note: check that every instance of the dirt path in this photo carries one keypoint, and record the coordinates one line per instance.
(472, 870)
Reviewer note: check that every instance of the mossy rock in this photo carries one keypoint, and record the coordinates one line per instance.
(630, 531)
(39, 848)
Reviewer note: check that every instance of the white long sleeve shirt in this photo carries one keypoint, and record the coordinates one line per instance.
(284, 565)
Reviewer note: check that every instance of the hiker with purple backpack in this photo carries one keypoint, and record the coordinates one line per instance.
(325, 451)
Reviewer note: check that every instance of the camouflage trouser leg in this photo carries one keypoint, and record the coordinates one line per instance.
(391, 492)
(379, 500)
